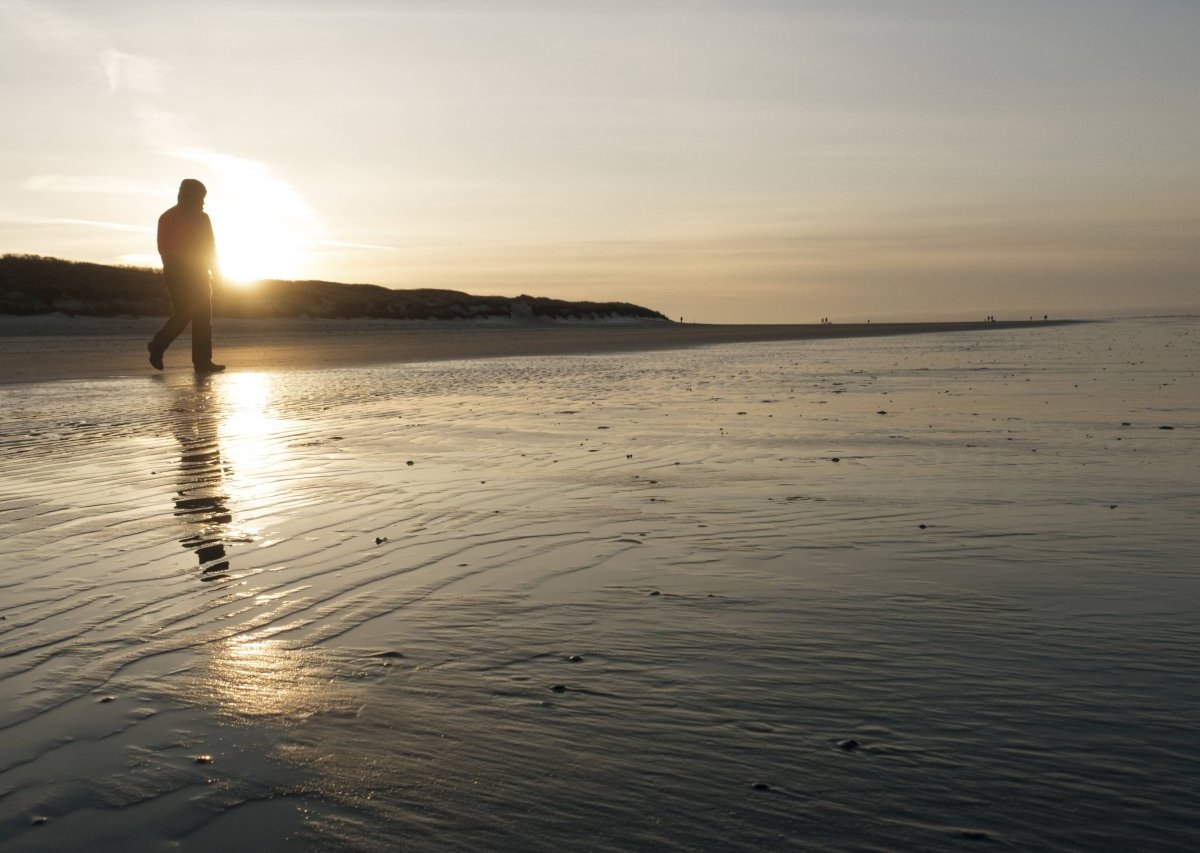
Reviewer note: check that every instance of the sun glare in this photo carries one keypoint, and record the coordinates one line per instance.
(263, 226)
(251, 247)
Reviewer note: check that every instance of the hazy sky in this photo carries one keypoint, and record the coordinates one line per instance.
(748, 160)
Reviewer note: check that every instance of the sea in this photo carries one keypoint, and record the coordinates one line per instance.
(930, 592)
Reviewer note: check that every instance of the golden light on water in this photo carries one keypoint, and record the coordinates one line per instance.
(234, 434)
(251, 441)
(266, 677)
(234, 471)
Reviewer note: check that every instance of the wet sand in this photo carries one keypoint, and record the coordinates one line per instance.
(924, 592)
(48, 348)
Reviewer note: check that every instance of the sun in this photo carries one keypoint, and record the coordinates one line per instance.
(263, 226)
(252, 246)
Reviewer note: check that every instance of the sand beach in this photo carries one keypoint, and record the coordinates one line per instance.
(54, 346)
(601, 588)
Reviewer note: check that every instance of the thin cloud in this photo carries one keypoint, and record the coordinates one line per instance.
(58, 33)
(19, 219)
(98, 184)
(138, 74)
(347, 245)
(253, 181)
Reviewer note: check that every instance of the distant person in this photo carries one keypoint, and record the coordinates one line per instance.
(189, 259)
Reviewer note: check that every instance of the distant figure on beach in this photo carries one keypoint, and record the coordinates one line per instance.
(189, 259)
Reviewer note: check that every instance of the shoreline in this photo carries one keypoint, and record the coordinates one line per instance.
(46, 348)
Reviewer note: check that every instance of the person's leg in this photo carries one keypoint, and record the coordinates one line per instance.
(202, 323)
(181, 315)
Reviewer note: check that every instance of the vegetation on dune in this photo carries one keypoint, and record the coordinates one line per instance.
(31, 284)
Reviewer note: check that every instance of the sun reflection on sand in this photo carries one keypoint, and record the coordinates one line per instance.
(234, 464)
(255, 674)
(250, 437)
(250, 677)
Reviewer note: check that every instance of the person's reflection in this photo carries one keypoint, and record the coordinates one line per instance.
(201, 502)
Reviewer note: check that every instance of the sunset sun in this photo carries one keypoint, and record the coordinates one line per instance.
(264, 228)
(252, 246)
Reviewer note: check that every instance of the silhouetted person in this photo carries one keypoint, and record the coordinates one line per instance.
(189, 258)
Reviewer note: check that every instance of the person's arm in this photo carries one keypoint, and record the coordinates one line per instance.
(214, 265)
(166, 239)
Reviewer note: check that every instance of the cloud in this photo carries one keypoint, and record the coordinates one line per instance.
(126, 71)
(21, 219)
(58, 33)
(348, 245)
(99, 184)
(252, 182)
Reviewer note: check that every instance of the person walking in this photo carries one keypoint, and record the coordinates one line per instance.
(189, 259)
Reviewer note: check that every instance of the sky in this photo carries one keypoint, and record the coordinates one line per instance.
(740, 161)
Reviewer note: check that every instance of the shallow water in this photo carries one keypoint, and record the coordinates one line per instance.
(975, 627)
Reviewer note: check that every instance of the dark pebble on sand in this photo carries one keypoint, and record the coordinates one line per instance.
(1166, 427)
(975, 835)
(922, 526)
(761, 786)
(848, 745)
(410, 462)
(1126, 423)
(836, 459)
(741, 413)
(388, 654)
(379, 540)
(104, 699)
(656, 592)
(559, 688)
(203, 759)
(39, 821)
(574, 658)
(881, 412)
(1112, 506)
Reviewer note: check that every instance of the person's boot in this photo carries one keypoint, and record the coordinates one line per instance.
(210, 367)
(155, 356)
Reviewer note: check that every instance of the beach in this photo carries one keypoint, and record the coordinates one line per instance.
(54, 346)
(577, 588)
